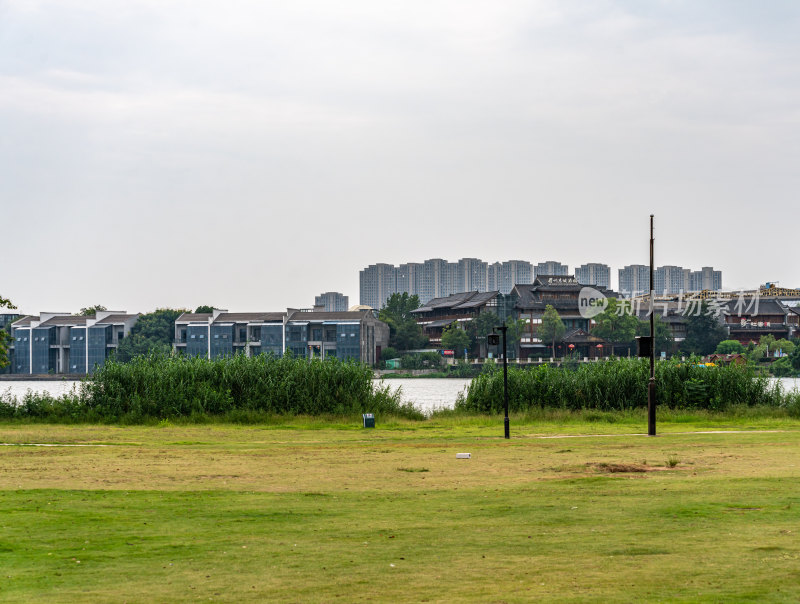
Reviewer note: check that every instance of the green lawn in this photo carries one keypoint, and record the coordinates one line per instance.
(313, 512)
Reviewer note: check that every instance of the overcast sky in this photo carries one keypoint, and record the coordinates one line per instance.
(250, 155)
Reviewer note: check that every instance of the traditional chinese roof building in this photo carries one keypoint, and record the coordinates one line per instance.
(580, 344)
(562, 292)
(747, 319)
(436, 314)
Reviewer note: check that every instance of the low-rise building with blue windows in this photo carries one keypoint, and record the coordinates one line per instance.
(355, 335)
(59, 343)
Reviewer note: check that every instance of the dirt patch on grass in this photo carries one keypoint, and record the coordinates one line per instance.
(613, 468)
(605, 467)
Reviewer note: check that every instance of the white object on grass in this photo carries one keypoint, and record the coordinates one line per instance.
(463, 456)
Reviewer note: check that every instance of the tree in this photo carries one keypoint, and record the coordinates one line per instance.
(795, 358)
(404, 332)
(782, 367)
(480, 327)
(5, 338)
(664, 339)
(153, 332)
(552, 328)
(204, 308)
(456, 339)
(516, 329)
(730, 347)
(91, 311)
(616, 324)
(785, 346)
(768, 341)
(703, 333)
(757, 353)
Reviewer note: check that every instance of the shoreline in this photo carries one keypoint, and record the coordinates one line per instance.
(42, 377)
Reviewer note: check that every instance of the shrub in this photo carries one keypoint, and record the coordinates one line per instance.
(158, 387)
(620, 384)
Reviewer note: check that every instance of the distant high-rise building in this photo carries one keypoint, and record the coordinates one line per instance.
(551, 267)
(705, 278)
(634, 280)
(671, 279)
(376, 283)
(332, 302)
(594, 274)
(471, 275)
(410, 278)
(433, 277)
(438, 278)
(513, 272)
(493, 276)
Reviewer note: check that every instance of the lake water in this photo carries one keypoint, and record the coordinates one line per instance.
(427, 394)
(53, 387)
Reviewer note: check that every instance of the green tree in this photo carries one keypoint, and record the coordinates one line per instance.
(479, 327)
(404, 332)
(388, 353)
(91, 311)
(782, 367)
(616, 324)
(794, 358)
(5, 338)
(552, 328)
(516, 329)
(703, 333)
(768, 341)
(757, 353)
(456, 339)
(153, 332)
(785, 346)
(664, 339)
(730, 347)
(204, 308)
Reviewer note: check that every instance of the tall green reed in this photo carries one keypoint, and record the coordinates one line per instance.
(164, 386)
(620, 384)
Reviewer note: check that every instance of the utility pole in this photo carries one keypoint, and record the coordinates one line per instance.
(504, 329)
(494, 340)
(651, 386)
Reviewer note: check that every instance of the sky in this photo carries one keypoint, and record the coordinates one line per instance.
(250, 155)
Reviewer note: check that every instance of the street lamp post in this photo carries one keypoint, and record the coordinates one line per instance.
(494, 339)
(651, 385)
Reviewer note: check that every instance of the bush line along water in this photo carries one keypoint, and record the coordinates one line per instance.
(621, 384)
(159, 387)
(241, 388)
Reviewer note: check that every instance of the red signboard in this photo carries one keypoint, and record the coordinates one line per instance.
(448, 353)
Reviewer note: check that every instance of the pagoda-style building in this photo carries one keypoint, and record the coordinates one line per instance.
(563, 294)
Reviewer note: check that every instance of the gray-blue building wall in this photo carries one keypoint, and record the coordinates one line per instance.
(297, 339)
(43, 360)
(348, 341)
(272, 339)
(196, 340)
(22, 351)
(77, 350)
(99, 336)
(221, 341)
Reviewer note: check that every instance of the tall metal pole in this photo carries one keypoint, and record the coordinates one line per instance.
(651, 386)
(504, 329)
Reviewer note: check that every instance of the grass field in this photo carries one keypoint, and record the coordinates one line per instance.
(315, 511)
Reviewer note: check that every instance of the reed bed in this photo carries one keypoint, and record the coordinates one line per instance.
(159, 387)
(620, 385)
